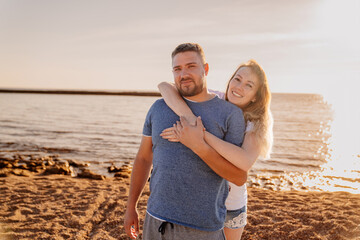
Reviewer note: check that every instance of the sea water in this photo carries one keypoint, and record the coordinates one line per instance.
(105, 130)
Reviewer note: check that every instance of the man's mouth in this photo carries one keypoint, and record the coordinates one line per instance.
(186, 81)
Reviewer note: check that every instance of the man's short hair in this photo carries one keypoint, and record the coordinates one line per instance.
(189, 47)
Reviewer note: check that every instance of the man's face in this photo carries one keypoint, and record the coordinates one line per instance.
(189, 73)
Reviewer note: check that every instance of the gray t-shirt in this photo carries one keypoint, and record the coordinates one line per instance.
(184, 190)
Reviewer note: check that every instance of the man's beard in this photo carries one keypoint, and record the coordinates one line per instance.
(190, 91)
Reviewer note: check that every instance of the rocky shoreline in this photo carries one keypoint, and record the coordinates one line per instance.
(27, 165)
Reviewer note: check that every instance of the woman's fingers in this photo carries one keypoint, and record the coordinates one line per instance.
(199, 123)
(170, 136)
(170, 129)
(178, 127)
(167, 134)
(173, 140)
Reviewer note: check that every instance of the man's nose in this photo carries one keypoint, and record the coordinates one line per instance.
(184, 73)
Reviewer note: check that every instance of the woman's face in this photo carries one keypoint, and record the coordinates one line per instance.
(243, 87)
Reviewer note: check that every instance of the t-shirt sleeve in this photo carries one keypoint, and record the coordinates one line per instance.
(147, 130)
(235, 127)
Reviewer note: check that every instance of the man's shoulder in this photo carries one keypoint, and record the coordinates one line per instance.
(158, 104)
(228, 106)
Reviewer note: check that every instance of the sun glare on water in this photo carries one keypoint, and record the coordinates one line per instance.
(340, 150)
(341, 172)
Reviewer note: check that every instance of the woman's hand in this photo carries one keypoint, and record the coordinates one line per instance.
(170, 134)
(189, 135)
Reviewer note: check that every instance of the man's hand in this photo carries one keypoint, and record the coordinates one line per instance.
(131, 223)
(139, 176)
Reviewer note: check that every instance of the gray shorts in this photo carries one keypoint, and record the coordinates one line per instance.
(152, 231)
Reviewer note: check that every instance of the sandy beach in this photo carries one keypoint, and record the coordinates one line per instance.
(63, 207)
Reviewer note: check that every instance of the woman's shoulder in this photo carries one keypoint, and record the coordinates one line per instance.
(249, 126)
(218, 93)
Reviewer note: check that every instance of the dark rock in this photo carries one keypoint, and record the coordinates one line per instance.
(124, 171)
(5, 164)
(123, 168)
(77, 163)
(255, 184)
(113, 168)
(86, 173)
(21, 172)
(5, 172)
(32, 164)
(36, 165)
(59, 169)
(18, 157)
(21, 166)
(269, 187)
(49, 162)
(269, 183)
(62, 162)
(122, 175)
(4, 158)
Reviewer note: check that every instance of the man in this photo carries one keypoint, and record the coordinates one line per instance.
(188, 190)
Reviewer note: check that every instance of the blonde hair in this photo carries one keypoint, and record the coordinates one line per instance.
(258, 112)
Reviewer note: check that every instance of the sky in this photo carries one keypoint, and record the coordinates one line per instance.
(308, 46)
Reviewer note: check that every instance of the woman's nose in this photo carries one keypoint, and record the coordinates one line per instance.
(239, 86)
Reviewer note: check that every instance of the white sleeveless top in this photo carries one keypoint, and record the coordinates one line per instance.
(237, 197)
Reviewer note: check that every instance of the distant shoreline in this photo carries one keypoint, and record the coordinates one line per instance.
(109, 92)
(83, 92)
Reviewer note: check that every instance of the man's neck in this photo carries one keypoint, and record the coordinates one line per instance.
(201, 97)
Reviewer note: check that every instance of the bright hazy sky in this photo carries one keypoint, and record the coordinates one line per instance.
(304, 46)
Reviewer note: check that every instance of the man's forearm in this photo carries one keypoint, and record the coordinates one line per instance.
(220, 165)
(139, 176)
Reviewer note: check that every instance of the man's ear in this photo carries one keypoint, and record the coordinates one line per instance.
(206, 67)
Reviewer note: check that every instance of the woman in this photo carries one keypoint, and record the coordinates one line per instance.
(248, 89)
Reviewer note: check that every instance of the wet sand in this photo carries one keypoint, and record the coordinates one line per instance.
(62, 207)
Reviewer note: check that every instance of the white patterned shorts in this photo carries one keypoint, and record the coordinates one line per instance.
(236, 218)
